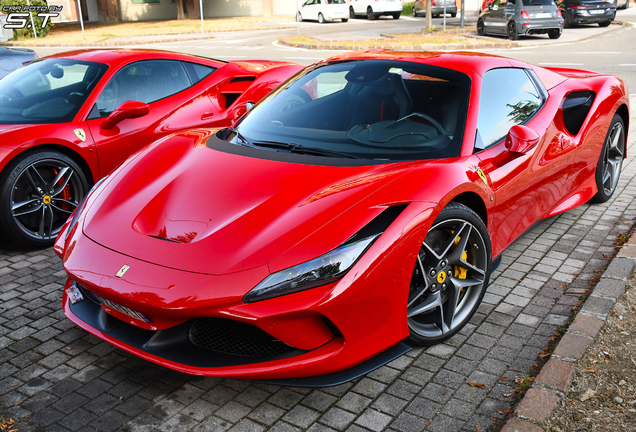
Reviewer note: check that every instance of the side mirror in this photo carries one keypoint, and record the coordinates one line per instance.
(520, 139)
(249, 105)
(127, 110)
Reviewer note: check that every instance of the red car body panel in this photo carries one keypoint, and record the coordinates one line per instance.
(260, 216)
(197, 106)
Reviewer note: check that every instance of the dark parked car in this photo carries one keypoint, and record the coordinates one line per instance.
(588, 12)
(14, 58)
(515, 18)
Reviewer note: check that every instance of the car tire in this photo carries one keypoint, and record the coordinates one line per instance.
(321, 18)
(370, 15)
(604, 23)
(345, 20)
(512, 31)
(299, 17)
(450, 277)
(397, 15)
(352, 13)
(567, 21)
(50, 185)
(414, 12)
(554, 33)
(481, 28)
(453, 15)
(610, 161)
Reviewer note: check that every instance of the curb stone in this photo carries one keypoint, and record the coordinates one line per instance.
(555, 377)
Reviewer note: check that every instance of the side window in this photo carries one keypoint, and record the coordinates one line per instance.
(145, 81)
(508, 98)
(197, 71)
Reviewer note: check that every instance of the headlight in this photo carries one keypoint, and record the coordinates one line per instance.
(319, 271)
(80, 207)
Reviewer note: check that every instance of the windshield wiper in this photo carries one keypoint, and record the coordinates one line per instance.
(295, 148)
(320, 152)
(239, 136)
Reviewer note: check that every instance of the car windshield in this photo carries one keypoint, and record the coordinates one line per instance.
(368, 109)
(538, 3)
(47, 91)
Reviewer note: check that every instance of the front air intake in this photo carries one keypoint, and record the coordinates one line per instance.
(576, 107)
(234, 337)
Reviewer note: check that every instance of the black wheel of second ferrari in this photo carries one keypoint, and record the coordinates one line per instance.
(610, 162)
(450, 276)
(39, 192)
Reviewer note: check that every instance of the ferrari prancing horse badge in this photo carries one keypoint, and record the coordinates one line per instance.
(80, 134)
(122, 271)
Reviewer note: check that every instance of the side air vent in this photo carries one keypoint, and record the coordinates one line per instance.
(576, 107)
(230, 98)
(242, 79)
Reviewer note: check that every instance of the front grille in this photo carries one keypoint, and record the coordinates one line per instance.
(88, 295)
(233, 337)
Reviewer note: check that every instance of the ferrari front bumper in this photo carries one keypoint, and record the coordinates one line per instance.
(338, 328)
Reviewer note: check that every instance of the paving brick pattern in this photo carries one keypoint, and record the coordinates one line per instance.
(56, 377)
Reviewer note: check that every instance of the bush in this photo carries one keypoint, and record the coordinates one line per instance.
(27, 33)
(407, 8)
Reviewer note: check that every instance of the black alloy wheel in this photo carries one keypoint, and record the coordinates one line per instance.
(39, 192)
(370, 14)
(605, 23)
(512, 31)
(554, 33)
(610, 162)
(450, 276)
(352, 13)
(481, 29)
(397, 15)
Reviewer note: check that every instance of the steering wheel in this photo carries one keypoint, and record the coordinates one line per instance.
(440, 129)
(292, 101)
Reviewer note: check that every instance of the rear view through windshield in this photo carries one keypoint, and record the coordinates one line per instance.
(369, 109)
(47, 91)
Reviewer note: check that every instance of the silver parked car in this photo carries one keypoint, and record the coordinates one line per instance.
(515, 18)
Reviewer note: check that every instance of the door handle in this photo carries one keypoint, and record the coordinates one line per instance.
(207, 115)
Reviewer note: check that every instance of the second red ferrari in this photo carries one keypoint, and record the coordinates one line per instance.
(68, 120)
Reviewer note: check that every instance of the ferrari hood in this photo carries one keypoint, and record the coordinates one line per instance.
(183, 205)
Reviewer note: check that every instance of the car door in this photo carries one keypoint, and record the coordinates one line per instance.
(309, 10)
(495, 19)
(160, 83)
(526, 185)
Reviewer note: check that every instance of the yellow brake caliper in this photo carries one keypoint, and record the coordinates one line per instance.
(460, 272)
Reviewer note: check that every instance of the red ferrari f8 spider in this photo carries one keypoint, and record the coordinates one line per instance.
(68, 120)
(362, 205)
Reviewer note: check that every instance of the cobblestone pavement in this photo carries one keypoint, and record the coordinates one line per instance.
(56, 377)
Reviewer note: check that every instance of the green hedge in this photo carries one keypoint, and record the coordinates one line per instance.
(27, 33)
(407, 8)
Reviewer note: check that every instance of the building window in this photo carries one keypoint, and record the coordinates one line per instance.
(145, 1)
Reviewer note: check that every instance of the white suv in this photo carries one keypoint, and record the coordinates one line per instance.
(374, 8)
